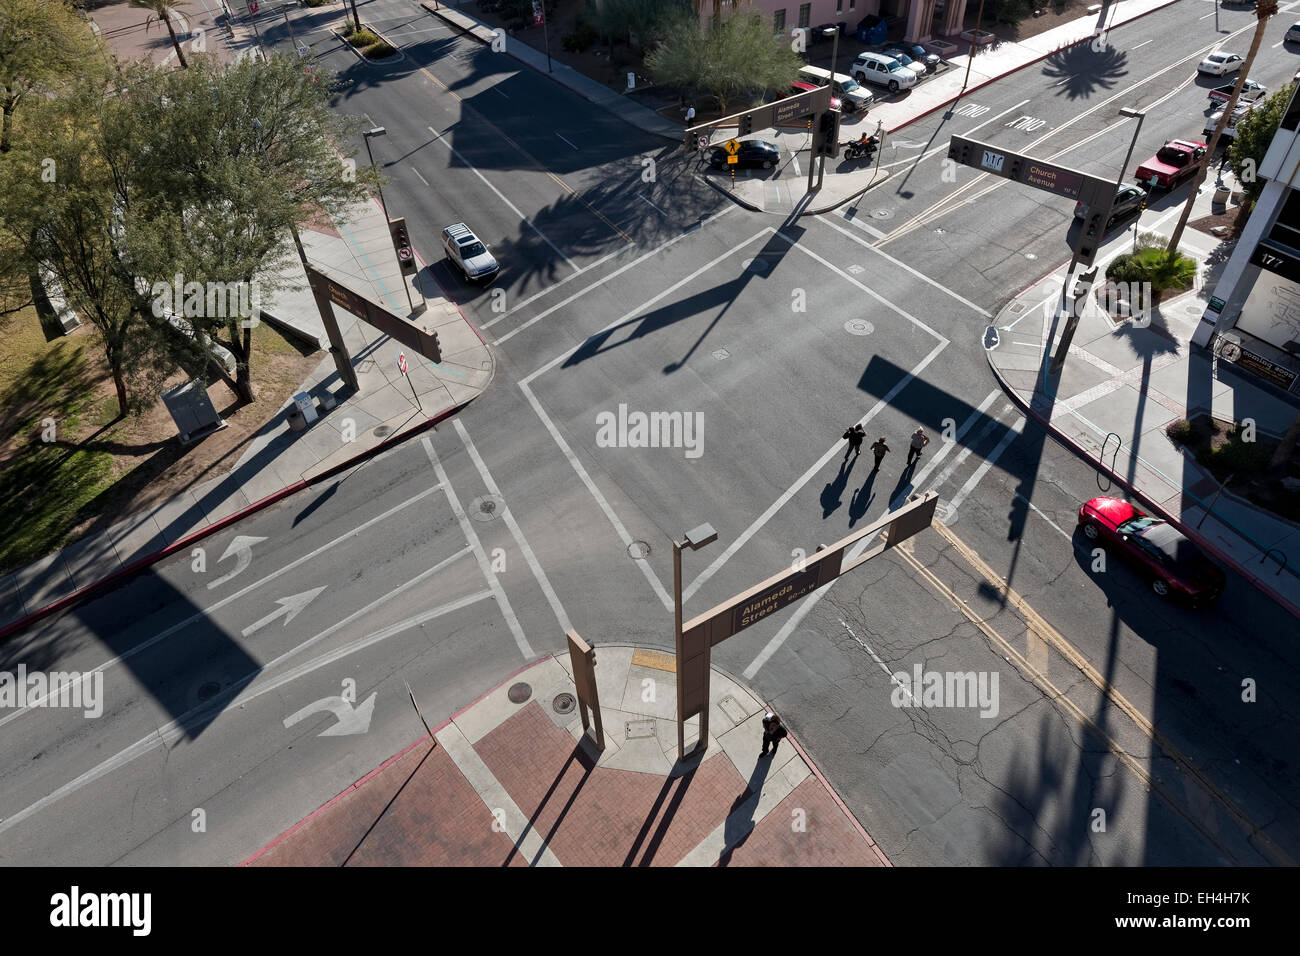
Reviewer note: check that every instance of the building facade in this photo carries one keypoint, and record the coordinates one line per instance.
(1253, 316)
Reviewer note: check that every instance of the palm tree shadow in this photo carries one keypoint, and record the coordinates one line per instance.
(1084, 70)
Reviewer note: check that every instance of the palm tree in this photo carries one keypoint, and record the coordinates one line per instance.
(163, 11)
(1264, 9)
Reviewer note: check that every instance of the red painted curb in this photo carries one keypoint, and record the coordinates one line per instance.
(81, 594)
(1079, 450)
(356, 785)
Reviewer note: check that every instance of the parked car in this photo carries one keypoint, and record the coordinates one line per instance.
(1174, 565)
(1230, 128)
(853, 95)
(803, 86)
(901, 56)
(752, 152)
(1220, 63)
(1250, 92)
(1128, 200)
(468, 253)
(1172, 163)
(1292, 34)
(883, 71)
(917, 52)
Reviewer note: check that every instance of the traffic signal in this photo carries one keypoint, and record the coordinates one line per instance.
(1014, 173)
(402, 245)
(1094, 224)
(959, 151)
(746, 126)
(691, 143)
(830, 133)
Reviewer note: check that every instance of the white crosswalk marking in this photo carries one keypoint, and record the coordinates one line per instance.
(1012, 434)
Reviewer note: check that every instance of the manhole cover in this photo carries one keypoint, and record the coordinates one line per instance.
(638, 549)
(383, 431)
(209, 690)
(639, 728)
(882, 214)
(859, 327)
(486, 507)
(721, 354)
(564, 703)
(760, 266)
(518, 693)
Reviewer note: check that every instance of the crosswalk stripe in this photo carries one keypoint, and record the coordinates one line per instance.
(1012, 434)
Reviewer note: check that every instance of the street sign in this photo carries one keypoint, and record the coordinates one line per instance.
(1049, 177)
(404, 253)
(731, 146)
(703, 141)
(402, 246)
(304, 50)
(253, 5)
(401, 362)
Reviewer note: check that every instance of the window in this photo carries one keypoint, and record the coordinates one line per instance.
(852, 4)
(839, 6)
(778, 21)
(805, 15)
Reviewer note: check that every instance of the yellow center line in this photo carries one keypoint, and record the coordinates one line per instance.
(1044, 632)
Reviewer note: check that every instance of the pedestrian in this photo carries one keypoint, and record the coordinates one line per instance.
(855, 434)
(773, 731)
(919, 440)
(880, 450)
(690, 114)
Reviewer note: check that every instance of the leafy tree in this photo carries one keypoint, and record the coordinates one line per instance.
(164, 11)
(1254, 133)
(727, 58)
(43, 44)
(228, 160)
(61, 202)
(646, 20)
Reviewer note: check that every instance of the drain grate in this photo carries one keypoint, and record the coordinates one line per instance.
(859, 327)
(486, 507)
(564, 703)
(639, 550)
(518, 693)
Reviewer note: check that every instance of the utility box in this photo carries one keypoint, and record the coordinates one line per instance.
(306, 407)
(191, 409)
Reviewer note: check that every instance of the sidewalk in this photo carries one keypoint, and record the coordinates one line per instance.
(1121, 385)
(513, 781)
(843, 181)
(278, 460)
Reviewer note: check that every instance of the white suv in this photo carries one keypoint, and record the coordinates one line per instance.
(468, 252)
(883, 71)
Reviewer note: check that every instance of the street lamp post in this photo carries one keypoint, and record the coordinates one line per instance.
(376, 131)
(693, 539)
(970, 55)
(833, 32)
(1072, 323)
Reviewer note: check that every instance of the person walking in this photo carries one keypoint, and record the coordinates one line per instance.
(690, 114)
(773, 731)
(880, 450)
(919, 440)
(856, 434)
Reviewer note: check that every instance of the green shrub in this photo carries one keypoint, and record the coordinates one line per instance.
(1182, 431)
(1239, 457)
(364, 38)
(583, 36)
(378, 51)
(316, 3)
(1123, 269)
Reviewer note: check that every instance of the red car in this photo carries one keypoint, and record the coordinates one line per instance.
(1175, 566)
(801, 86)
(1172, 163)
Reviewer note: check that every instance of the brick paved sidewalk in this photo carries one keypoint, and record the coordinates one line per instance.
(517, 784)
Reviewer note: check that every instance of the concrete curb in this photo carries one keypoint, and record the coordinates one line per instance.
(857, 195)
(68, 601)
(1155, 508)
(727, 194)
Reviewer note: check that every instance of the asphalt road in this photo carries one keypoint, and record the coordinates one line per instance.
(1118, 734)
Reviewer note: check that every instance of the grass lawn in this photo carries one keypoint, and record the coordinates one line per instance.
(69, 467)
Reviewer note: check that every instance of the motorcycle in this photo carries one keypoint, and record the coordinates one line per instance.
(857, 149)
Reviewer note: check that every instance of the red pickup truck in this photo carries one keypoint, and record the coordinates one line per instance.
(1172, 163)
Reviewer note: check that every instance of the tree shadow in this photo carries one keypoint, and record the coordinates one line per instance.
(1084, 71)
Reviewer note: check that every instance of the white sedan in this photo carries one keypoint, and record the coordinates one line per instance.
(1220, 63)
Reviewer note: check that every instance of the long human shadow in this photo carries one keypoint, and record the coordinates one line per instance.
(740, 821)
(862, 498)
(833, 494)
